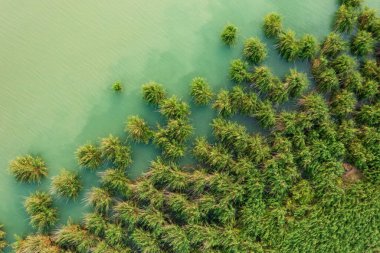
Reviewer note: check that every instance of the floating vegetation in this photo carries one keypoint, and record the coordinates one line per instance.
(117, 86)
(313, 168)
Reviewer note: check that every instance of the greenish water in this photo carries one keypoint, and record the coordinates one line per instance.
(60, 58)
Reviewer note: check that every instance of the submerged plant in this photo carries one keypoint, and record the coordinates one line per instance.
(66, 184)
(200, 91)
(89, 156)
(138, 129)
(288, 45)
(345, 19)
(153, 93)
(39, 206)
(228, 34)
(254, 50)
(272, 25)
(28, 168)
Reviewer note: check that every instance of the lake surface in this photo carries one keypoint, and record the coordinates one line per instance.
(58, 60)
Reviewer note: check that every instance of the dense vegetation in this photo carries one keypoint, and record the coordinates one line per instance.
(309, 182)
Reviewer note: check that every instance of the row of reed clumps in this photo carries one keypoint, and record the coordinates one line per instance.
(307, 183)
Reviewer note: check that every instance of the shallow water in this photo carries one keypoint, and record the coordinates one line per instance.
(60, 58)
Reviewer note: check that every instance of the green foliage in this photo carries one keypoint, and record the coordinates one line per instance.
(369, 22)
(266, 114)
(153, 93)
(344, 65)
(116, 182)
(117, 86)
(262, 79)
(333, 45)
(362, 43)
(371, 70)
(223, 104)
(254, 50)
(343, 103)
(100, 199)
(238, 71)
(3, 243)
(352, 3)
(174, 108)
(28, 168)
(345, 19)
(66, 184)
(89, 156)
(288, 46)
(369, 115)
(74, 237)
(200, 91)
(229, 34)
(35, 243)
(308, 47)
(39, 207)
(327, 80)
(138, 129)
(296, 82)
(368, 89)
(272, 25)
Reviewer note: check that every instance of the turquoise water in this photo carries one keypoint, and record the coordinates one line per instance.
(60, 58)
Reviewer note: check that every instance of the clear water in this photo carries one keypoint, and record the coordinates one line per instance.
(58, 60)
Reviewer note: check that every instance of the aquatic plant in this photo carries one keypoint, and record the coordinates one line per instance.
(74, 238)
(352, 3)
(343, 103)
(39, 206)
(95, 223)
(100, 199)
(308, 47)
(174, 108)
(344, 65)
(153, 93)
(368, 89)
(362, 43)
(238, 71)
(229, 34)
(108, 147)
(333, 45)
(138, 129)
(89, 156)
(117, 86)
(287, 45)
(35, 243)
(345, 19)
(223, 104)
(3, 243)
(272, 25)
(369, 115)
(116, 182)
(369, 22)
(327, 80)
(262, 79)
(66, 184)
(370, 70)
(265, 114)
(296, 82)
(200, 91)
(28, 168)
(254, 50)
